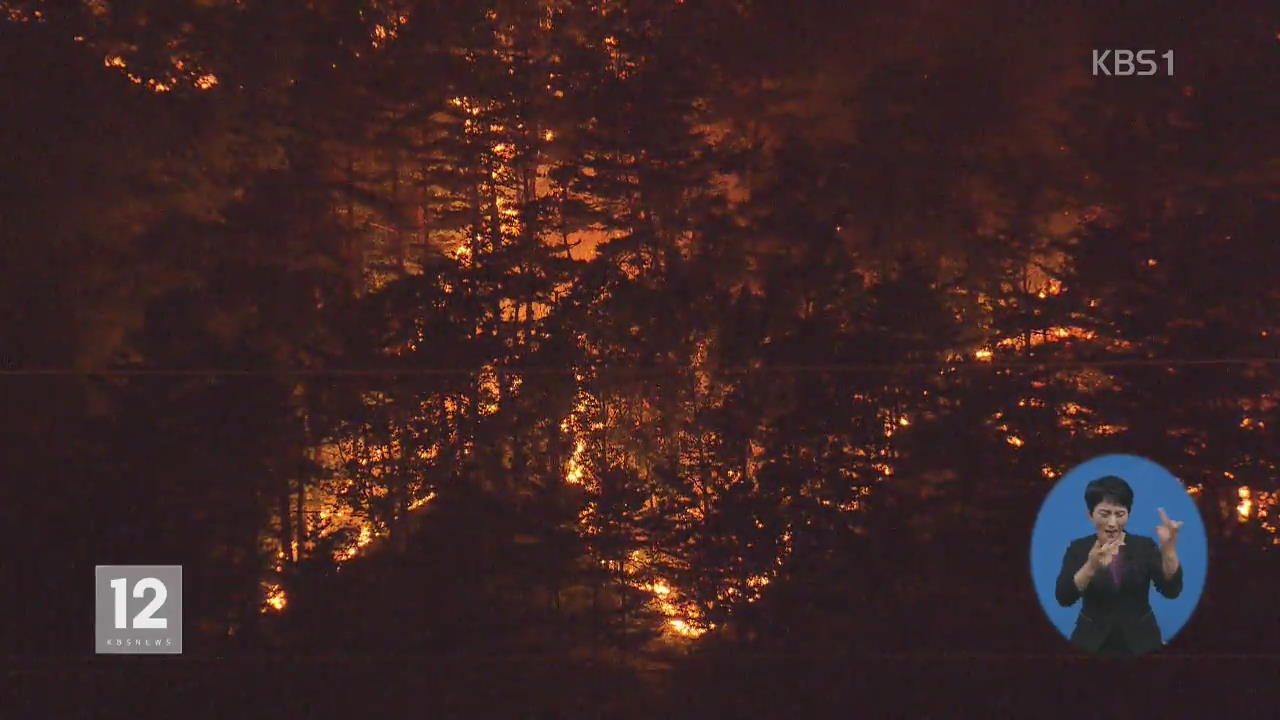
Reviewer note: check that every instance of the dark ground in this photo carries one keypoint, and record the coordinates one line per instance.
(984, 652)
(959, 685)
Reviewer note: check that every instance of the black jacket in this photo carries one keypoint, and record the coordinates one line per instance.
(1108, 607)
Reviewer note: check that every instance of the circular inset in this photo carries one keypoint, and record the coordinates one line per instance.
(1103, 543)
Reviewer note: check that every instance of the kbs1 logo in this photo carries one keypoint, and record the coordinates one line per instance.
(138, 609)
(1124, 63)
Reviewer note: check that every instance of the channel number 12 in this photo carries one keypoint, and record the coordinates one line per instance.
(143, 620)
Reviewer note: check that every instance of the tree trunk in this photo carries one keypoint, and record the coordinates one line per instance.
(626, 608)
(285, 511)
(595, 618)
(300, 516)
(564, 226)
(401, 480)
(397, 232)
(304, 472)
(351, 254)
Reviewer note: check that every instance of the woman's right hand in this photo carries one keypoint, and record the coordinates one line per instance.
(1101, 554)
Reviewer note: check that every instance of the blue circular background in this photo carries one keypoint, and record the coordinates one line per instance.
(1063, 518)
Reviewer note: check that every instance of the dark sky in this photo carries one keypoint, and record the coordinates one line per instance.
(1031, 51)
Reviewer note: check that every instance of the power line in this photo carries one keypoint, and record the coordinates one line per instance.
(639, 370)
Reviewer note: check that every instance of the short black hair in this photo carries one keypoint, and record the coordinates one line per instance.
(1111, 489)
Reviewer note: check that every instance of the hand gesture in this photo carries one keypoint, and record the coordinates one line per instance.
(1167, 531)
(1102, 553)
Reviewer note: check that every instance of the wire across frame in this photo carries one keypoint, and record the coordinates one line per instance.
(658, 369)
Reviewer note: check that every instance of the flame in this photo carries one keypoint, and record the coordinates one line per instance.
(1245, 508)
(201, 80)
(575, 471)
(365, 537)
(276, 600)
(685, 629)
(1051, 334)
(983, 355)
(488, 386)
(462, 253)
(1014, 440)
(422, 500)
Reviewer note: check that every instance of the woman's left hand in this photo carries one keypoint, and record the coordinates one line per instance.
(1167, 532)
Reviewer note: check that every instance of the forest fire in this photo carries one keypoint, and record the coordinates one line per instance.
(533, 332)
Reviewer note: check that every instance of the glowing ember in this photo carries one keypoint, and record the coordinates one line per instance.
(1108, 429)
(201, 80)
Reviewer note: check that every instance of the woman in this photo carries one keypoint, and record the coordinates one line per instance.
(1113, 572)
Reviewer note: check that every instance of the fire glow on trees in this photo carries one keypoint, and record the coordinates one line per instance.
(682, 616)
